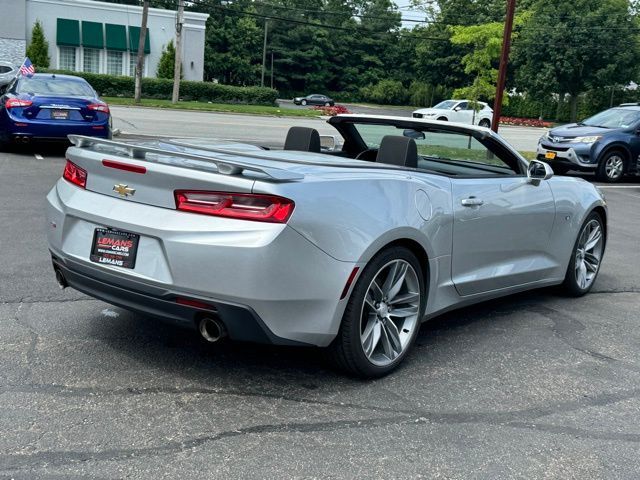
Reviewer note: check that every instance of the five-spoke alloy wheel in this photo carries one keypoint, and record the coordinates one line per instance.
(383, 315)
(584, 264)
(611, 168)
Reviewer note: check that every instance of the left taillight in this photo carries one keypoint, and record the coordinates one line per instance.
(17, 102)
(241, 206)
(74, 174)
(99, 107)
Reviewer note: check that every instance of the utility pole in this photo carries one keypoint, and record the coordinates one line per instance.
(177, 69)
(504, 61)
(264, 50)
(141, 41)
(271, 69)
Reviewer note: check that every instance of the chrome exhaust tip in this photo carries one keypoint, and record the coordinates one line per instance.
(212, 329)
(62, 282)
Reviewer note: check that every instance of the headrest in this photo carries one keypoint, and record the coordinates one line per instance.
(303, 139)
(396, 150)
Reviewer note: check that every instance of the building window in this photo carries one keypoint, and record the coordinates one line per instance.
(91, 58)
(133, 61)
(67, 58)
(114, 62)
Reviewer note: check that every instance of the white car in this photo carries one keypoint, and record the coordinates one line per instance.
(460, 111)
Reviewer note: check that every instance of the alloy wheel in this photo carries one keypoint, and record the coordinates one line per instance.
(390, 312)
(614, 166)
(589, 253)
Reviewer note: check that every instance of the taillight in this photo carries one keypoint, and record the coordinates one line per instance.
(99, 107)
(75, 174)
(16, 102)
(243, 206)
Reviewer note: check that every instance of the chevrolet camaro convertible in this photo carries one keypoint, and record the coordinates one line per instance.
(347, 241)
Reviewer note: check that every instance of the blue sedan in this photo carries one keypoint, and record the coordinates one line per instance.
(50, 107)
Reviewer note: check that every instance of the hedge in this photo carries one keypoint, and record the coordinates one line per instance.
(162, 88)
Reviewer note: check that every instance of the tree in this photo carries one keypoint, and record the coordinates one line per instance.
(38, 49)
(572, 47)
(167, 61)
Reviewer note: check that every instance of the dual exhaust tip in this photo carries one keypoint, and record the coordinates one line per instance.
(210, 327)
(23, 139)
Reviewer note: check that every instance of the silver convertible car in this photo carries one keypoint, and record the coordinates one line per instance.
(348, 247)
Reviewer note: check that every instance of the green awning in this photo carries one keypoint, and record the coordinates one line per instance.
(116, 37)
(134, 39)
(92, 35)
(68, 33)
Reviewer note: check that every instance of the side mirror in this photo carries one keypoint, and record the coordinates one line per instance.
(538, 171)
(328, 143)
(457, 109)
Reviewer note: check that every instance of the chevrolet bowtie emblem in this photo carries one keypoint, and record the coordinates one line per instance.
(123, 190)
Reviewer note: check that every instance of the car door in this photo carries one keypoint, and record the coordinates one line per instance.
(315, 100)
(502, 223)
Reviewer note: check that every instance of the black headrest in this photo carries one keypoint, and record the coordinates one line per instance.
(303, 139)
(396, 150)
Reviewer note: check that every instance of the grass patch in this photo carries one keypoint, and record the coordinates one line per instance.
(215, 107)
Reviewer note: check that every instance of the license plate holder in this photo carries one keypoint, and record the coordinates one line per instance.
(60, 114)
(114, 247)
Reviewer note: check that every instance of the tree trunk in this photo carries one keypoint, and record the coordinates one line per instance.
(574, 107)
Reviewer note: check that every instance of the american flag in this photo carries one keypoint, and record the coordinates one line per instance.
(27, 69)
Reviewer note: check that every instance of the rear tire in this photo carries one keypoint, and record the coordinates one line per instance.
(586, 257)
(611, 167)
(327, 104)
(382, 317)
(484, 123)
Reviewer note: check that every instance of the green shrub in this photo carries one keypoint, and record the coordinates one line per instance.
(162, 88)
(38, 49)
(390, 92)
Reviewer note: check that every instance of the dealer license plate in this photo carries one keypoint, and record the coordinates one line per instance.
(113, 247)
(60, 114)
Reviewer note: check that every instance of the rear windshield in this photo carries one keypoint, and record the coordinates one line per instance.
(55, 86)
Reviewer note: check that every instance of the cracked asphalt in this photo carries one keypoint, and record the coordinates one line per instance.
(531, 386)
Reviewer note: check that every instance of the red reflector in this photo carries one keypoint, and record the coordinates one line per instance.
(75, 174)
(242, 206)
(98, 128)
(99, 107)
(21, 124)
(16, 102)
(127, 167)
(350, 280)
(194, 303)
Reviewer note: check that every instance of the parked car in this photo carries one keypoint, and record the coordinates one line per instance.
(8, 72)
(349, 249)
(314, 99)
(607, 143)
(50, 107)
(459, 111)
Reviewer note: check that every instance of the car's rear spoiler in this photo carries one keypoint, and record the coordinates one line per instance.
(226, 167)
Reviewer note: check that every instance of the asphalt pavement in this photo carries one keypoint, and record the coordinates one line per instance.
(531, 386)
(263, 130)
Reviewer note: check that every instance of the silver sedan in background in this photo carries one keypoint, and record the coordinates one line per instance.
(348, 248)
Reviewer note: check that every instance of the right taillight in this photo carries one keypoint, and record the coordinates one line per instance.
(242, 206)
(16, 102)
(74, 174)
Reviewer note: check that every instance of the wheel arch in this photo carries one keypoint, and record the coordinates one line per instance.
(616, 146)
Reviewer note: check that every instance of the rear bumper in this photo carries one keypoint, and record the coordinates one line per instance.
(44, 130)
(241, 322)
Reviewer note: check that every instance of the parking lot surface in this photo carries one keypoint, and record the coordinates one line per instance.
(531, 386)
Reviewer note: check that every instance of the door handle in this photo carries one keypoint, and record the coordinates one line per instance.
(471, 202)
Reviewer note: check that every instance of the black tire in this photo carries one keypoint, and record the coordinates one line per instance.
(303, 103)
(327, 104)
(560, 169)
(346, 351)
(443, 119)
(484, 123)
(606, 172)
(570, 286)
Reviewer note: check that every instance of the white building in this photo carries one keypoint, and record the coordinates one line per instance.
(100, 37)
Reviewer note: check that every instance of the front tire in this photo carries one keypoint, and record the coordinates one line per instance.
(303, 103)
(442, 119)
(559, 169)
(611, 167)
(383, 315)
(586, 257)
